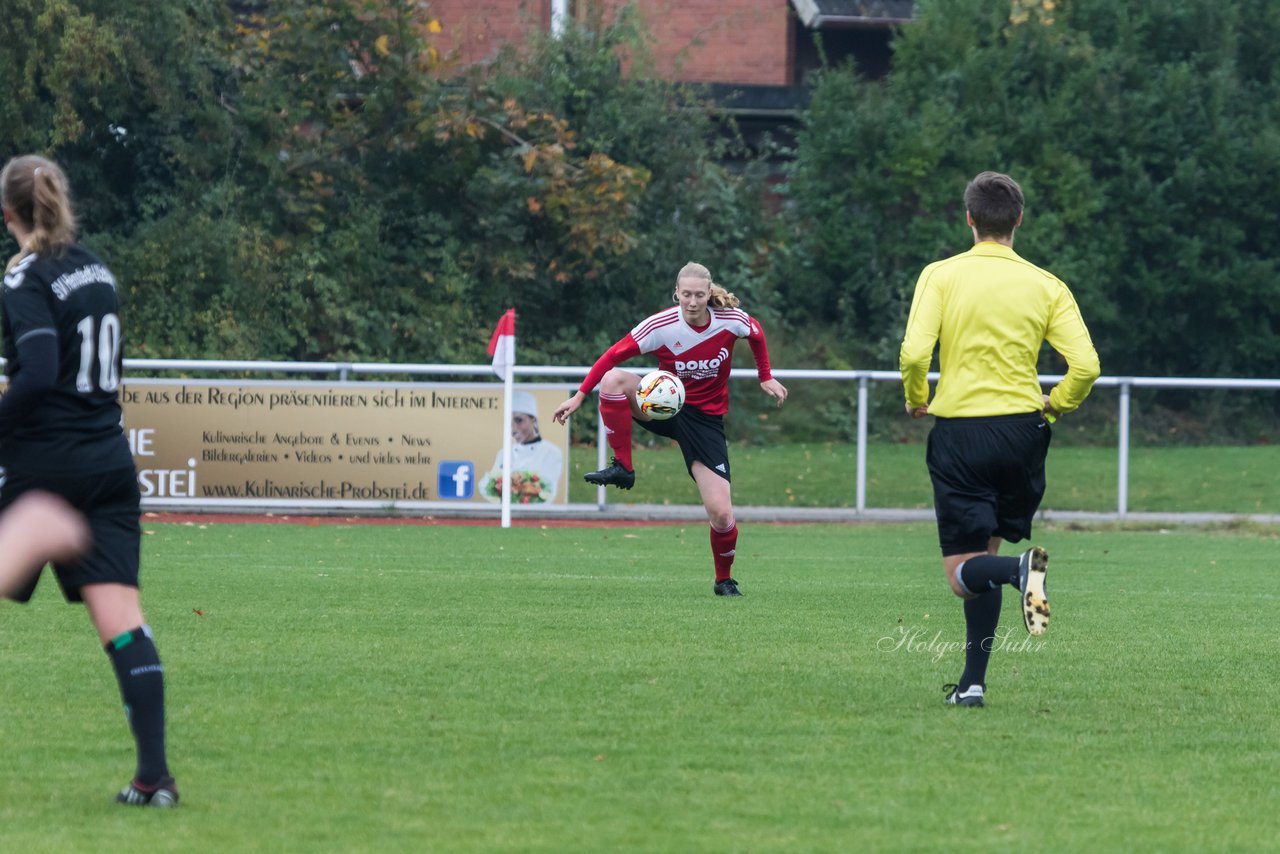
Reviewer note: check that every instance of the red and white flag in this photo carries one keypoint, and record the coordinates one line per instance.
(502, 346)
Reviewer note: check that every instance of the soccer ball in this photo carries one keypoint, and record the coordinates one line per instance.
(661, 394)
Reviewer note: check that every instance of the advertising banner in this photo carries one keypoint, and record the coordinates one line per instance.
(313, 444)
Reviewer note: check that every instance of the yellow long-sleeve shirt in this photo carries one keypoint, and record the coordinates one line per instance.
(991, 310)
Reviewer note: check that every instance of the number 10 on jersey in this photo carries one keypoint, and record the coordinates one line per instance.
(106, 344)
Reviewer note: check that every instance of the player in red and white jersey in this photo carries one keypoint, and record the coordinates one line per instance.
(693, 340)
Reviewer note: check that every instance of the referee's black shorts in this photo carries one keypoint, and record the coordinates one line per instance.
(699, 435)
(110, 503)
(988, 478)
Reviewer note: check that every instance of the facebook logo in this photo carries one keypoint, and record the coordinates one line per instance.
(456, 479)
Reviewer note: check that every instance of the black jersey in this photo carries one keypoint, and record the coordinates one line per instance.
(76, 426)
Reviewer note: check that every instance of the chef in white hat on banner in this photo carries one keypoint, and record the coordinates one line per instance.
(537, 464)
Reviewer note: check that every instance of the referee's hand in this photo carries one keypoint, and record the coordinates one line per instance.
(917, 411)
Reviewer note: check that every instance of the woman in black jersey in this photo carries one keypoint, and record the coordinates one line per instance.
(60, 433)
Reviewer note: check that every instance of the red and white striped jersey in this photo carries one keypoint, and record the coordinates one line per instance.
(701, 357)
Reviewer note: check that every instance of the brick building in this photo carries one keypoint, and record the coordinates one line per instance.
(752, 54)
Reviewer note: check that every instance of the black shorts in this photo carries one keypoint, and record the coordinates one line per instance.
(988, 478)
(110, 502)
(700, 437)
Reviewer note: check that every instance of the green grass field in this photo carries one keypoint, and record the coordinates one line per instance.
(396, 688)
(1168, 480)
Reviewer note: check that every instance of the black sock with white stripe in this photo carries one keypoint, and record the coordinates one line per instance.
(981, 614)
(141, 678)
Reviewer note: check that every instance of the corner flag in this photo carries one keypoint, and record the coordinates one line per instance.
(502, 346)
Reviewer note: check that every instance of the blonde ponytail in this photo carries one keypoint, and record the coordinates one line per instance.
(720, 298)
(36, 190)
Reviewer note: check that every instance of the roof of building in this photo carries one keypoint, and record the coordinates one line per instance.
(816, 14)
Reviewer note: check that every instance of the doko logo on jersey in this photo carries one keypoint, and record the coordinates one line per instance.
(701, 369)
(456, 479)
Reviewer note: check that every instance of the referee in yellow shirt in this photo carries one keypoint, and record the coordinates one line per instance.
(989, 311)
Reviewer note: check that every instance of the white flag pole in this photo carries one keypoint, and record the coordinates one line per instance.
(506, 446)
(502, 346)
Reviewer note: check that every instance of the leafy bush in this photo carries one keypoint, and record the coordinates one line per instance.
(1144, 136)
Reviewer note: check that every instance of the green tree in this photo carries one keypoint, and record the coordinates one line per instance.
(688, 206)
(315, 181)
(1143, 134)
(133, 106)
(424, 198)
(128, 102)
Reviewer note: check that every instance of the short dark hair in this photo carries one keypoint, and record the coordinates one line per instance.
(994, 200)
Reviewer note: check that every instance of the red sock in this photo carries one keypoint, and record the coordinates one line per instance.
(615, 411)
(724, 545)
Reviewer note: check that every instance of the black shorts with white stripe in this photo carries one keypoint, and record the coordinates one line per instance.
(700, 437)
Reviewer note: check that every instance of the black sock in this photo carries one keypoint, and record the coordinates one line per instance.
(987, 572)
(141, 678)
(981, 615)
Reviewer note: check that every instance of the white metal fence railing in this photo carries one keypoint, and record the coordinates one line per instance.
(346, 371)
